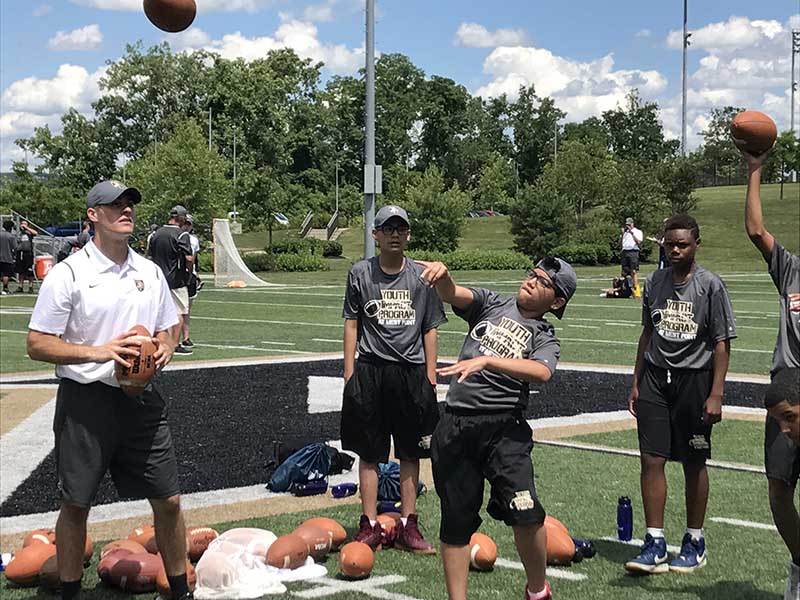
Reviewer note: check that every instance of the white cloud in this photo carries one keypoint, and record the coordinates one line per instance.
(300, 36)
(745, 63)
(202, 6)
(582, 89)
(32, 102)
(319, 12)
(85, 38)
(643, 33)
(473, 35)
(42, 10)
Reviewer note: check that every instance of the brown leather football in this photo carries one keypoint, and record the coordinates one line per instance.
(136, 572)
(197, 541)
(25, 566)
(132, 380)
(288, 552)
(319, 540)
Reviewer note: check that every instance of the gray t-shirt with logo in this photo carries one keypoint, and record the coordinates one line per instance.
(784, 268)
(393, 311)
(496, 328)
(687, 319)
(8, 246)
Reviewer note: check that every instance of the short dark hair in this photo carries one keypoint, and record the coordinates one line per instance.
(683, 222)
(8, 225)
(785, 386)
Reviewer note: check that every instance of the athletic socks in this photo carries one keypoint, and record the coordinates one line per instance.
(70, 589)
(404, 521)
(695, 533)
(178, 585)
(545, 593)
(655, 532)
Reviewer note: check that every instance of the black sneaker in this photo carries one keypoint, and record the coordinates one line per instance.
(188, 343)
(180, 349)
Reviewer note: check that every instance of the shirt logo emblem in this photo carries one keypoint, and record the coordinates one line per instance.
(522, 501)
(139, 285)
(698, 442)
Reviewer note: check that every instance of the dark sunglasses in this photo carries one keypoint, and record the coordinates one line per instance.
(390, 229)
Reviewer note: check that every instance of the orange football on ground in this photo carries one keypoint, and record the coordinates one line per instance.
(482, 552)
(25, 566)
(288, 552)
(336, 530)
(356, 560)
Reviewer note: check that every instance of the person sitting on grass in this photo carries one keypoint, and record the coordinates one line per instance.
(483, 434)
(621, 287)
(677, 391)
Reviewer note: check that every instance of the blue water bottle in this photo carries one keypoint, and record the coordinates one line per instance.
(624, 519)
(343, 490)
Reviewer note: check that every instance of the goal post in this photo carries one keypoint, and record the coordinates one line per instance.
(228, 264)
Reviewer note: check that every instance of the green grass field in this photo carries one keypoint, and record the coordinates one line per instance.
(580, 489)
(305, 317)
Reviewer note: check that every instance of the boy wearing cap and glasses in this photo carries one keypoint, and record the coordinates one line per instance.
(677, 391)
(81, 323)
(483, 434)
(170, 248)
(391, 318)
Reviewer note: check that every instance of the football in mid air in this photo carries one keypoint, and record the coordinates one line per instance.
(753, 131)
(171, 16)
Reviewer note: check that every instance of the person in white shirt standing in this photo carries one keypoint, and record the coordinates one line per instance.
(629, 260)
(82, 322)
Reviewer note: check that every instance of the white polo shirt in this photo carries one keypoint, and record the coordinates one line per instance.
(631, 239)
(88, 299)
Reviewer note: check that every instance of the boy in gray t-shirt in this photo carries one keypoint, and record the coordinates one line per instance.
(781, 455)
(483, 435)
(678, 384)
(391, 318)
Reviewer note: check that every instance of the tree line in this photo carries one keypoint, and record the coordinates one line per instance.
(280, 134)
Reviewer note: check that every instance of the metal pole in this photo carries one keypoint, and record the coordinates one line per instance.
(209, 129)
(234, 174)
(337, 187)
(795, 50)
(683, 80)
(555, 142)
(369, 148)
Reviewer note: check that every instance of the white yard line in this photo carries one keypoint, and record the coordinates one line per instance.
(741, 523)
(554, 572)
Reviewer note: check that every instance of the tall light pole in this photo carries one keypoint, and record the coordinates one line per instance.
(795, 51)
(369, 148)
(337, 187)
(686, 36)
(235, 190)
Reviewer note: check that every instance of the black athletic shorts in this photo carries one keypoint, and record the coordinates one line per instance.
(470, 447)
(24, 264)
(386, 399)
(98, 428)
(7, 269)
(781, 455)
(669, 414)
(629, 261)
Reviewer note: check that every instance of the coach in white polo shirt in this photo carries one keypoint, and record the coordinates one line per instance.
(629, 260)
(86, 308)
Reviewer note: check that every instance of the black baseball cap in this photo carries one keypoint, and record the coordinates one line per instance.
(563, 277)
(107, 192)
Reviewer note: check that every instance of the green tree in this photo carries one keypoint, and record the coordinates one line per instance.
(678, 178)
(786, 157)
(533, 121)
(181, 170)
(79, 157)
(718, 152)
(584, 177)
(444, 120)
(638, 194)
(496, 185)
(635, 132)
(38, 200)
(436, 211)
(541, 219)
(590, 130)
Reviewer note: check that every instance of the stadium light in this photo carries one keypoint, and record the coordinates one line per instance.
(370, 175)
(686, 43)
(795, 51)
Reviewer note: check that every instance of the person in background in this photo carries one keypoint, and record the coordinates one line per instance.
(8, 251)
(193, 278)
(631, 240)
(24, 263)
(85, 235)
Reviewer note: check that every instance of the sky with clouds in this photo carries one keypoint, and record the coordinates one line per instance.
(53, 52)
